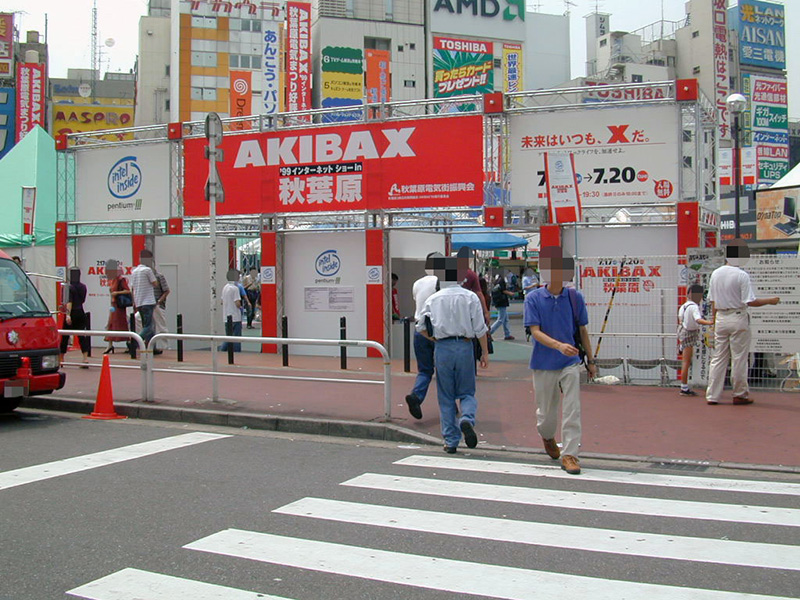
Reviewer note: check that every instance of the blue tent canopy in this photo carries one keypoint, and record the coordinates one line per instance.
(487, 240)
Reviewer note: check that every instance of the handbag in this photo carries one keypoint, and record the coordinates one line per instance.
(577, 341)
(124, 300)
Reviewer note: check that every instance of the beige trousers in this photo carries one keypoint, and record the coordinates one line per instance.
(549, 394)
(731, 344)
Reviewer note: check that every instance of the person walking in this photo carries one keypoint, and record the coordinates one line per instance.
(161, 291)
(232, 307)
(453, 317)
(143, 284)
(689, 321)
(731, 292)
(118, 315)
(74, 316)
(500, 296)
(252, 286)
(423, 288)
(554, 312)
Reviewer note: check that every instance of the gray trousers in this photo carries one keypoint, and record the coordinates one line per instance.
(547, 393)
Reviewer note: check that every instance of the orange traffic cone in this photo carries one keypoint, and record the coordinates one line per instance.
(104, 406)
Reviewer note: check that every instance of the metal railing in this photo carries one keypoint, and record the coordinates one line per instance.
(148, 369)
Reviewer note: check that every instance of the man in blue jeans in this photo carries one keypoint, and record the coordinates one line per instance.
(423, 288)
(143, 284)
(500, 296)
(453, 317)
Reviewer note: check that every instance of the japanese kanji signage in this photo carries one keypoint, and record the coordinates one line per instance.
(762, 37)
(462, 67)
(378, 76)
(30, 98)
(775, 328)
(563, 198)
(420, 163)
(298, 56)
(622, 155)
(719, 33)
(512, 68)
(6, 45)
(768, 125)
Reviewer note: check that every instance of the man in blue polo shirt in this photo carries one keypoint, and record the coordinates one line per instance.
(551, 312)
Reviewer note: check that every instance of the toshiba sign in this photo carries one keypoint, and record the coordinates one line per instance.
(423, 163)
(499, 19)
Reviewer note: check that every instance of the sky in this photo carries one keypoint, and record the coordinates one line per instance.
(70, 24)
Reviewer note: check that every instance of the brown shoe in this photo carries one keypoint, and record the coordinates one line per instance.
(570, 464)
(551, 448)
(741, 400)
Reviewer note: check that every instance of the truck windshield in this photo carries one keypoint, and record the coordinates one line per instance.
(18, 296)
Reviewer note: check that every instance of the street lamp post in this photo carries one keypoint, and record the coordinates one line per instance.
(736, 105)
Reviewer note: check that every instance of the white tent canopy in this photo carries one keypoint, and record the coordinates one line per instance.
(790, 179)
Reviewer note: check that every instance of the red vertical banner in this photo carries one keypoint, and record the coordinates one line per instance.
(298, 56)
(241, 98)
(376, 307)
(379, 76)
(137, 245)
(30, 98)
(688, 226)
(269, 290)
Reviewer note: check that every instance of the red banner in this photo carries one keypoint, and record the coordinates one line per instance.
(30, 97)
(298, 56)
(241, 98)
(379, 76)
(422, 163)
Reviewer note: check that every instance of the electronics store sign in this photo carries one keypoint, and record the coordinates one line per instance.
(503, 19)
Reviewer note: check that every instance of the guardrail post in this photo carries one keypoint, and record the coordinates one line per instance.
(407, 345)
(179, 329)
(229, 331)
(285, 334)
(131, 345)
(89, 326)
(343, 336)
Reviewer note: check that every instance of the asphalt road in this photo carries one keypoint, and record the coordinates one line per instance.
(133, 510)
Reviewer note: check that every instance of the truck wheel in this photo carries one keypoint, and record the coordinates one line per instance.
(9, 404)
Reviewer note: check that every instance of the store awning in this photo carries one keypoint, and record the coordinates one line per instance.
(792, 178)
(487, 240)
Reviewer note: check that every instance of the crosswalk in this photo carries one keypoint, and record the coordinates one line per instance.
(418, 496)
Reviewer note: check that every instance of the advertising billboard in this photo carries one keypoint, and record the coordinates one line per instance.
(762, 34)
(622, 155)
(6, 45)
(418, 163)
(270, 71)
(462, 67)
(512, 68)
(719, 35)
(379, 75)
(776, 214)
(498, 19)
(768, 125)
(30, 98)
(241, 98)
(8, 106)
(298, 56)
(342, 81)
(72, 118)
(125, 183)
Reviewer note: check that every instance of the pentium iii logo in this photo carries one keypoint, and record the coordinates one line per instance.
(515, 9)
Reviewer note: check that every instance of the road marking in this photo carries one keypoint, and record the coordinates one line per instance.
(763, 515)
(133, 584)
(770, 556)
(494, 581)
(67, 466)
(634, 478)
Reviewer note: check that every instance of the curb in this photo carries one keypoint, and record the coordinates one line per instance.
(378, 431)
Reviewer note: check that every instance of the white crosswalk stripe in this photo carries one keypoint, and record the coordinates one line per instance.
(763, 515)
(633, 543)
(375, 562)
(604, 476)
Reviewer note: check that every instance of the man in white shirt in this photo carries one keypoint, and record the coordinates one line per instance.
(453, 317)
(143, 284)
(232, 307)
(423, 288)
(730, 293)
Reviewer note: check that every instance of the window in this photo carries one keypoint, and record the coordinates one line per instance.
(204, 59)
(695, 70)
(603, 43)
(234, 60)
(209, 94)
(196, 93)
(204, 22)
(255, 26)
(410, 83)
(636, 78)
(695, 34)
(166, 104)
(371, 43)
(255, 62)
(244, 62)
(166, 70)
(412, 46)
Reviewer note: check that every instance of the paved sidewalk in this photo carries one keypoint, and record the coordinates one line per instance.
(631, 421)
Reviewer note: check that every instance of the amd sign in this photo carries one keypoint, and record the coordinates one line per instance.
(484, 8)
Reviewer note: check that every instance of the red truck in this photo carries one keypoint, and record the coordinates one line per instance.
(29, 340)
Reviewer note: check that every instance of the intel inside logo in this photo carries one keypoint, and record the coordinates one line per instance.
(124, 178)
(328, 263)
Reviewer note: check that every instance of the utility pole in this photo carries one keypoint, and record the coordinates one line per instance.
(214, 193)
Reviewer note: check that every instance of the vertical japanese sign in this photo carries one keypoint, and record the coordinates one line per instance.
(7, 120)
(298, 56)
(241, 98)
(762, 35)
(30, 97)
(379, 76)
(342, 82)
(462, 67)
(512, 68)
(768, 125)
(747, 166)
(6, 45)
(270, 82)
(28, 209)
(719, 23)
(563, 198)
